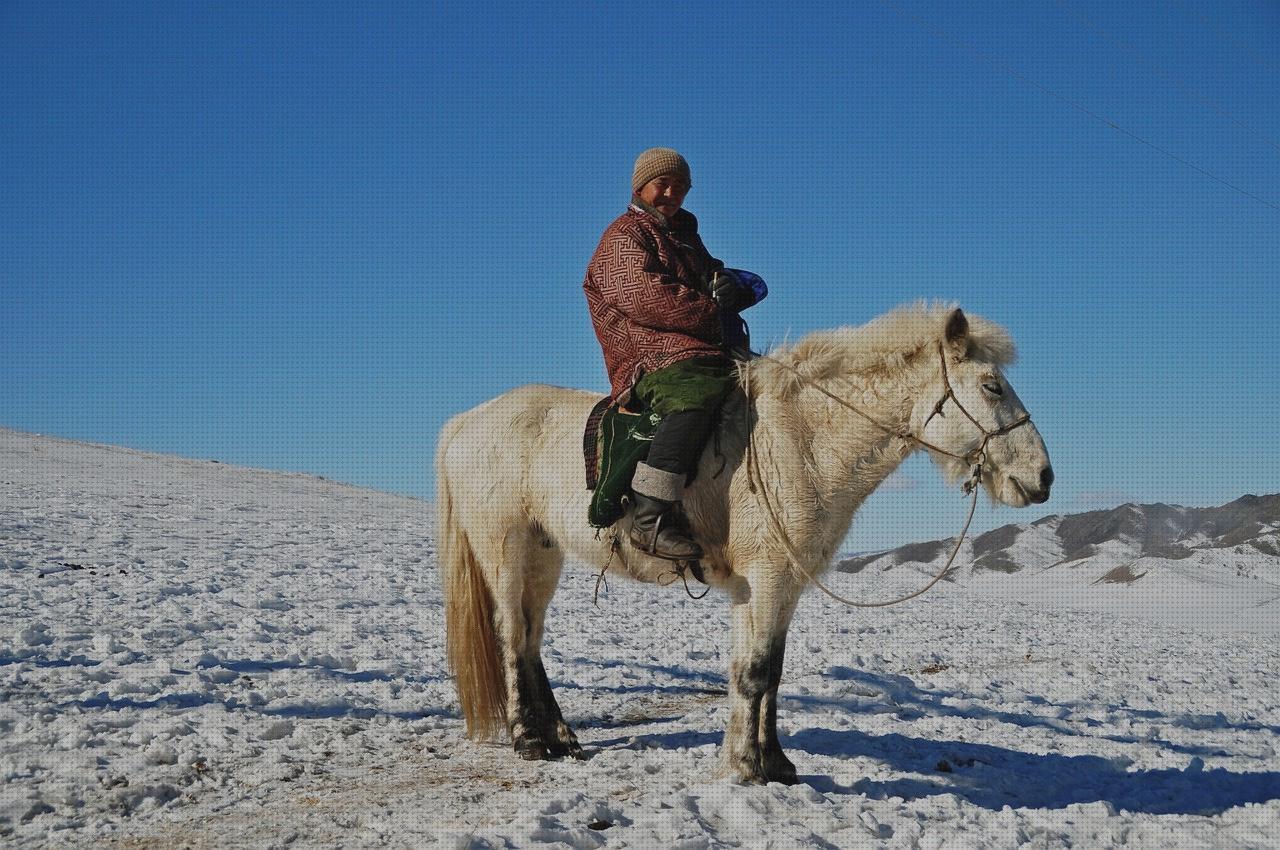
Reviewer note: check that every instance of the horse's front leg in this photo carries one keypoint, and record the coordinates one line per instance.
(761, 615)
(777, 767)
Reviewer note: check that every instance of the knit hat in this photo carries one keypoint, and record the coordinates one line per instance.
(657, 162)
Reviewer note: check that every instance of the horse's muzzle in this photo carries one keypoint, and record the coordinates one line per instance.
(1032, 494)
(1041, 495)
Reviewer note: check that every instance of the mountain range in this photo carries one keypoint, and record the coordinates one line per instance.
(1201, 568)
(1119, 539)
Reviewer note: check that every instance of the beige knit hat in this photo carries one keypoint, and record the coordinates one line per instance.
(656, 162)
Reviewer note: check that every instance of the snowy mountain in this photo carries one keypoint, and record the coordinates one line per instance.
(1247, 527)
(198, 655)
(1215, 566)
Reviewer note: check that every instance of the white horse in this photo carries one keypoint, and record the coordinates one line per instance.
(794, 464)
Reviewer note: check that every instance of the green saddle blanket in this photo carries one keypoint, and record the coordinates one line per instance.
(621, 441)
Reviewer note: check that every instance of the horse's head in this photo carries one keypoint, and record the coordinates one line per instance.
(970, 413)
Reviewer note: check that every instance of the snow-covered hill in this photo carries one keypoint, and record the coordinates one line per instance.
(197, 655)
(1216, 568)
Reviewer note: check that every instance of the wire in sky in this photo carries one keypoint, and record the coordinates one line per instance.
(1233, 42)
(945, 36)
(1185, 89)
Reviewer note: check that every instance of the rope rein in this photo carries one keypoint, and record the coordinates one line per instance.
(666, 579)
(978, 457)
(756, 483)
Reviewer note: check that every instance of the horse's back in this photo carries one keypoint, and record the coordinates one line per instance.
(523, 416)
(511, 449)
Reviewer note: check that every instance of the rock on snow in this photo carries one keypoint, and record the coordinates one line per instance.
(193, 654)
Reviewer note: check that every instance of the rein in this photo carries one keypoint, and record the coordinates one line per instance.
(977, 458)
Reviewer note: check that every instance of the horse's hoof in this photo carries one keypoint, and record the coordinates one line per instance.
(566, 743)
(532, 750)
(780, 769)
(786, 776)
(563, 749)
(749, 771)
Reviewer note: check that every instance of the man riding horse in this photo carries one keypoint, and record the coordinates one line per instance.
(666, 314)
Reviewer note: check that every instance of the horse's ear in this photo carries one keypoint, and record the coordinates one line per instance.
(957, 333)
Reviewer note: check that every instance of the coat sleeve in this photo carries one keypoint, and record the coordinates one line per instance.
(631, 278)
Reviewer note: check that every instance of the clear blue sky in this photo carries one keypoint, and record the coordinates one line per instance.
(301, 236)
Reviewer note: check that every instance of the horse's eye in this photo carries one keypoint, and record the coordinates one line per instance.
(994, 388)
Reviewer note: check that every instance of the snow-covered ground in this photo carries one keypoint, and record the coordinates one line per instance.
(197, 655)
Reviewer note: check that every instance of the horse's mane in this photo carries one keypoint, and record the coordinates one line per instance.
(878, 349)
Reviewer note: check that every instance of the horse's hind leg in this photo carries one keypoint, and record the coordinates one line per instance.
(540, 586)
(506, 563)
(522, 589)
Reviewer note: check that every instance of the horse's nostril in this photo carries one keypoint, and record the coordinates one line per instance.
(1046, 478)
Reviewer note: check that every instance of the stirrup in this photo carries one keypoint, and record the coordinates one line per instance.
(652, 548)
(649, 546)
(695, 568)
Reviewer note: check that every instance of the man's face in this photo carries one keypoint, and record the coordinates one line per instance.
(665, 193)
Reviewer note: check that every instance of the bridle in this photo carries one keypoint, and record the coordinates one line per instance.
(976, 458)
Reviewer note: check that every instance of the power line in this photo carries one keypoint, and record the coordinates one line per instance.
(1185, 89)
(1233, 42)
(945, 36)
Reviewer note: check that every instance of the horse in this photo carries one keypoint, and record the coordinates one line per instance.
(816, 427)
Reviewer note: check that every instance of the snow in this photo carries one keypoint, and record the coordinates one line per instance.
(193, 654)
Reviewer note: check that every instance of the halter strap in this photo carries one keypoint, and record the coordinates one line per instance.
(977, 457)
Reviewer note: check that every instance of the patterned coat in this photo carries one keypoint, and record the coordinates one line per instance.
(647, 292)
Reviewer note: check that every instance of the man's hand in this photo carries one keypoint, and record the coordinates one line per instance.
(727, 292)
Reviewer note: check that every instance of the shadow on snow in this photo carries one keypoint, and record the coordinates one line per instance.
(913, 701)
(300, 708)
(993, 777)
(986, 775)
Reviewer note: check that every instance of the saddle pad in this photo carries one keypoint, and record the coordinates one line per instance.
(622, 441)
(589, 444)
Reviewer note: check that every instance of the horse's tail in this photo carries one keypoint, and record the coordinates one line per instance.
(472, 648)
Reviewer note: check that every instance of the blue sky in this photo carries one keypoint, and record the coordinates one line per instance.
(302, 236)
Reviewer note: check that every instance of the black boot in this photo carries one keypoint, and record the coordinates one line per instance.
(658, 529)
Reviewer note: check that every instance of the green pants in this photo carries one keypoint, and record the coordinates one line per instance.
(700, 383)
(688, 396)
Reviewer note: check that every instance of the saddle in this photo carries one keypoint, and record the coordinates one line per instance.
(614, 442)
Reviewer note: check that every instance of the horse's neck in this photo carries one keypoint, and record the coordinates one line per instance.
(849, 456)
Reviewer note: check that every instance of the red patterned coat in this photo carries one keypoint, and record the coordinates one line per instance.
(647, 292)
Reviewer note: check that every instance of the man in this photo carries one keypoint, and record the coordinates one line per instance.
(666, 315)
